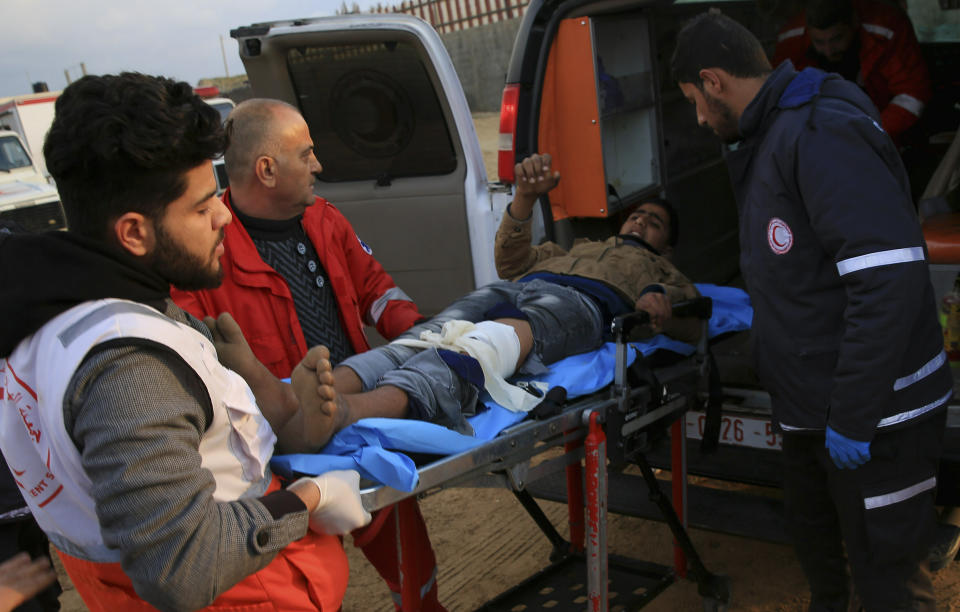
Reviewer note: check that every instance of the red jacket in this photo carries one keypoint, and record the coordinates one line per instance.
(258, 297)
(892, 70)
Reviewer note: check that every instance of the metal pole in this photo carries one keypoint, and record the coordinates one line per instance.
(678, 470)
(226, 71)
(575, 498)
(595, 463)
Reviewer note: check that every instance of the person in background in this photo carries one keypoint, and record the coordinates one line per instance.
(845, 333)
(296, 275)
(868, 42)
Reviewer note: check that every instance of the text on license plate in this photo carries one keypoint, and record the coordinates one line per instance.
(738, 431)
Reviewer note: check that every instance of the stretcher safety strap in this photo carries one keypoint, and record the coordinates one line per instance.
(880, 258)
(380, 304)
(879, 501)
(910, 414)
(928, 368)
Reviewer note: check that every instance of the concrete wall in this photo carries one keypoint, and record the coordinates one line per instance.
(481, 56)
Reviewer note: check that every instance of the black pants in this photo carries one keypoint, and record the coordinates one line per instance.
(24, 535)
(878, 519)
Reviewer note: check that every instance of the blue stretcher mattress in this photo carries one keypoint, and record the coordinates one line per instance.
(376, 447)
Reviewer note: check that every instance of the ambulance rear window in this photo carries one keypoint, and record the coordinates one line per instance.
(372, 110)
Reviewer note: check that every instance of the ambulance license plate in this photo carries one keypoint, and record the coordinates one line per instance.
(737, 431)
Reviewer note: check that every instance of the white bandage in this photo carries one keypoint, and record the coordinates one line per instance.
(499, 344)
(496, 348)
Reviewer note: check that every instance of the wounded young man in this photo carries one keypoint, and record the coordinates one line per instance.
(558, 303)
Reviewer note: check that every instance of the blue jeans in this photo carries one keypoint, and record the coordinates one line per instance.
(563, 321)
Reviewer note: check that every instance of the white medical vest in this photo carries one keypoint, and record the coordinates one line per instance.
(46, 465)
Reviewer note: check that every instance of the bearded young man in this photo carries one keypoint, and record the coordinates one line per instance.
(144, 460)
(845, 336)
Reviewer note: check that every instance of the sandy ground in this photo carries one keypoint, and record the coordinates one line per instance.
(485, 543)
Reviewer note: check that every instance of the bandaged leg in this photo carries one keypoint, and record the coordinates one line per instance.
(440, 384)
(369, 366)
(496, 346)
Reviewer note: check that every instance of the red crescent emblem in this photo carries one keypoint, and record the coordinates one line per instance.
(779, 236)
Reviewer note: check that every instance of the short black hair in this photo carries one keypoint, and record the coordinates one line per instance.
(673, 220)
(822, 14)
(122, 143)
(713, 40)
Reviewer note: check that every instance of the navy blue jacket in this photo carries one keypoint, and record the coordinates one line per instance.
(845, 329)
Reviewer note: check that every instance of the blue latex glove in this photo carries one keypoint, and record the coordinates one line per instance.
(847, 454)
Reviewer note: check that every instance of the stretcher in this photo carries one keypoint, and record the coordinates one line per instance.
(618, 406)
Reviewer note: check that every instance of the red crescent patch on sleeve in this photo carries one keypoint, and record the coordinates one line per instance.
(779, 236)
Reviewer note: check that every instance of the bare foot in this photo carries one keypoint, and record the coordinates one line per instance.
(325, 408)
(323, 412)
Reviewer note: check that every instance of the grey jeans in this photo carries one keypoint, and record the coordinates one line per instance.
(563, 321)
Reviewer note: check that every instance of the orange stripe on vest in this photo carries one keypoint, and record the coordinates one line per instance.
(309, 574)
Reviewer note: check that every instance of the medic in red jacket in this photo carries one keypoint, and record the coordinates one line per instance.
(873, 45)
(258, 297)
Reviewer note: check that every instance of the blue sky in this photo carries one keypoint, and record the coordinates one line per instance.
(176, 38)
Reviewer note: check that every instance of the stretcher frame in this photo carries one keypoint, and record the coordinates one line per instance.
(612, 424)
